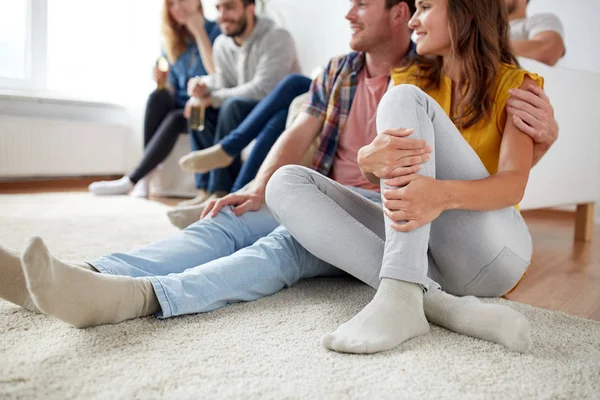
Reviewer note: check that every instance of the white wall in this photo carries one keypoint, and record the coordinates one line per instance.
(582, 30)
(318, 27)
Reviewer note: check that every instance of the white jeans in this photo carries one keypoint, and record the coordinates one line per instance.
(465, 252)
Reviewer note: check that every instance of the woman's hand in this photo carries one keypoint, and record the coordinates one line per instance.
(241, 203)
(418, 203)
(391, 154)
(160, 77)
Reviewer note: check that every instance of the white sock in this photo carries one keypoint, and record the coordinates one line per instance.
(206, 160)
(80, 297)
(141, 189)
(394, 316)
(469, 316)
(107, 188)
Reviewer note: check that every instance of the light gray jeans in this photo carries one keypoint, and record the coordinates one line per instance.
(476, 253)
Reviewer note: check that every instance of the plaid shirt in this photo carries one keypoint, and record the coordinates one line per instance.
(332, 93)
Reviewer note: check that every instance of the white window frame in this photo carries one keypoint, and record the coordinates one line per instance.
(35, 51)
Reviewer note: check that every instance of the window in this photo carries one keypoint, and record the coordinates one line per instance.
(99, 50)
(13, 40)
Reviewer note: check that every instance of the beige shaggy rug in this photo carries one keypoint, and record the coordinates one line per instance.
(268, 349)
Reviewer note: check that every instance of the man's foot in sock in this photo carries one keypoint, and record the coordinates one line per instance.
(182, 217)
(109, 188)
(202, 161)
(199, 199)
(469, 316)
(12, 280)
(394, 316)
(80, 297)
(141, 189)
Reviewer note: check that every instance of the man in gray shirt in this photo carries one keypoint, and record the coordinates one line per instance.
(251, 57)
(539, 37)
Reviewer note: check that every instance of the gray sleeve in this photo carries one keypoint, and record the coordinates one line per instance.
(544, 23)
(224, 76)
(277, 57)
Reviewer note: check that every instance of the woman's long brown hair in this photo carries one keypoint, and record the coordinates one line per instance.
(479, 33)
(176, 37)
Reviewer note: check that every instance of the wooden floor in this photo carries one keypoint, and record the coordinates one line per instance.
(564, 275)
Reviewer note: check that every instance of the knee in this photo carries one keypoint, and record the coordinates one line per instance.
(284, 186)
(395, 104)
(231, 106)
(174, 117)
(160, 98)
(401, 95)
(294, 81)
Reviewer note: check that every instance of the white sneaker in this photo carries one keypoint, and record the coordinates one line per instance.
(109, 188)
(141, 189)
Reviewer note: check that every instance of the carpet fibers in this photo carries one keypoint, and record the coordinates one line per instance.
(267, 349)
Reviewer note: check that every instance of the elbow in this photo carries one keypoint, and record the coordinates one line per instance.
(551, 54)
(517, 197)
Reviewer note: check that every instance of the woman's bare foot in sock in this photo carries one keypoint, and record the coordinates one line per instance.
(203, 161)
(394, 316)
(80, 297)
(469, 316)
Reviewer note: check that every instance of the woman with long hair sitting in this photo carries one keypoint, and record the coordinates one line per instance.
(188, 39)
(450, 230)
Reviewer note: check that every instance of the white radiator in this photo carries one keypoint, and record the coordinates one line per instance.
(46, 147)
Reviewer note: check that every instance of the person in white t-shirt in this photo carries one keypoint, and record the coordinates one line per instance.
(539, 37)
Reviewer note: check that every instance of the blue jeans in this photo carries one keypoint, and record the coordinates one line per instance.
(217, 125)
(265, 123)
(220, 260)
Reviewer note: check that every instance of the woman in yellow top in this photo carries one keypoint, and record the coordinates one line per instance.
(449, 229)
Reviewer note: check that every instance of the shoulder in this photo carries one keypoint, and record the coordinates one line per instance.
(511, 76)
(221, 43)
(543, 18)
(212, 27)
(277, 35)
(405, 74)
(544, 22)
(344, 61)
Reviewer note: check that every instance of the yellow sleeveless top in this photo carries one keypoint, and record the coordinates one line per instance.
(485, 136)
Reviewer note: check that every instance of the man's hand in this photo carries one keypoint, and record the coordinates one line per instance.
(416, 204)
(196, 88)
(194, 102)
(391, 154)
(533, 114)
(241, 202)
